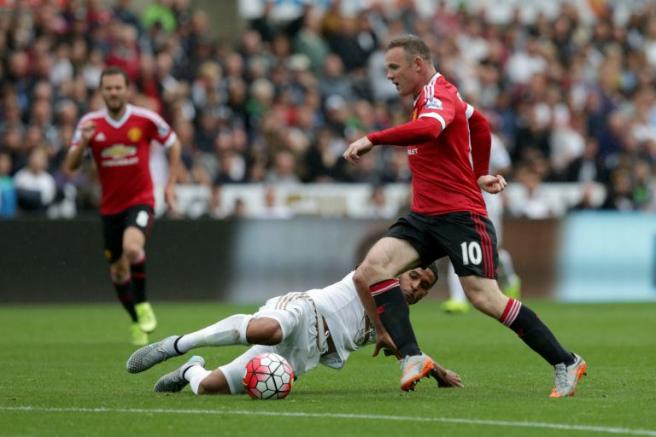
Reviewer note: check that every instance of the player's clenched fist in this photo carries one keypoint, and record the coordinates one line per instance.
(88, 129)
(492, 184)
(357, 148)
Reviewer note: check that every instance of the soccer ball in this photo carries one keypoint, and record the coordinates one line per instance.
(268, 376)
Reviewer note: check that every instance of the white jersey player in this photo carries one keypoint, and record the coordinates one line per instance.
(319, 326)
(508, 280)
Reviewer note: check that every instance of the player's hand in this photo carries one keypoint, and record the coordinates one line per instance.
(492, 184)
(88, 130)
(170, 199)
(357, 148)
(385, 342)
(446, 377)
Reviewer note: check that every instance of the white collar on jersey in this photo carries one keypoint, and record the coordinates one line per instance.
(431, 82)
(118, 123)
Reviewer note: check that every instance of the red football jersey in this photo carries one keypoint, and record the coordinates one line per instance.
(443, 178)
(121, 150)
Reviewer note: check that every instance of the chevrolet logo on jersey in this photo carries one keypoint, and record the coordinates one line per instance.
(118, 151)
(134, 134)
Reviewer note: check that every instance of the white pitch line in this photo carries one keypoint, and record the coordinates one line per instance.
(464, 421)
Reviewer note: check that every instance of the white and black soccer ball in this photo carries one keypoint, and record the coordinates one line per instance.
(268, 376)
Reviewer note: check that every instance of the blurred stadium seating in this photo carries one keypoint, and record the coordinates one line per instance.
(568, 86)
(263, 116)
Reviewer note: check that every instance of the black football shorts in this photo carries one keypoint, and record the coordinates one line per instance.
(467, 238)
(114, 225)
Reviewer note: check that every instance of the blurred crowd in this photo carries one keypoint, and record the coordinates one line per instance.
(571, 97)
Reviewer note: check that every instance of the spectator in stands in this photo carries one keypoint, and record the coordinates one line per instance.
(588, 167)
(377, 206)
(7, 187)
(309, 70)
(35, 187)
(272, 208)
(619, 194)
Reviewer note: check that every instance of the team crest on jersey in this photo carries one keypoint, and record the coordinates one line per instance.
(118, 151)
(434, 103)
(134, 134)
(101, 137)
(413, 150)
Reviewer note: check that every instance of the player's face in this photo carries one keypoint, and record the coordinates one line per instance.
(403, 71)
(415, 284)
(114, 90)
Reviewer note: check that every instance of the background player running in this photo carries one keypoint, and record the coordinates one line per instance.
(119, 139)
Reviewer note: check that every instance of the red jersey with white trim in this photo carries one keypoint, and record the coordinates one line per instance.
(121, 151)
(443, 179)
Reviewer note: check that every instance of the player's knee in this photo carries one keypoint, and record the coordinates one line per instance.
(132, 251)
(213, 384)
(485, 298)
(119, 272)
(264, 330)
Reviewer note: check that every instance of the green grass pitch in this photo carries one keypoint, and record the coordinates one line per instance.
(63, 374)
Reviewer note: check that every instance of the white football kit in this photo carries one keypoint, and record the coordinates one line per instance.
(499, 160)
(307, 319)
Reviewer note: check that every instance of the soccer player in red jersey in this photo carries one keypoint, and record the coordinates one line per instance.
(448, 145)
(119, 140)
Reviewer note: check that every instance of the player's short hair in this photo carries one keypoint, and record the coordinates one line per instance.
(413, 46)
(110, 71)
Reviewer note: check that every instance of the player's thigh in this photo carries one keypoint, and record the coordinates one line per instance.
(303, 330)
(470, 242)
(392, 256)
(484, 294)
(138, 225)
(214, 383)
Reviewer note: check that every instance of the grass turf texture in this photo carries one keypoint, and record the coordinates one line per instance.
(66, 362)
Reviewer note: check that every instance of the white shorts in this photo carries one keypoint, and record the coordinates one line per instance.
(304, 339)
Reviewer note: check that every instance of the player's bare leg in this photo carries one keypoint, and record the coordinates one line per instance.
(375, 279)
(134, 242)
(234, 330)
(486, 296)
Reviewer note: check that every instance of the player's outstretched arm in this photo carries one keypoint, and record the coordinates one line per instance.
(446, 377)
(413, 132)
(356, 149)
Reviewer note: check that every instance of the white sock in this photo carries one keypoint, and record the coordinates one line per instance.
(229, 331)
(455, 288)
(195, 375)
(506, 268)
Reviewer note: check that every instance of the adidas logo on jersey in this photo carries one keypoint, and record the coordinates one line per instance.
(101, 137)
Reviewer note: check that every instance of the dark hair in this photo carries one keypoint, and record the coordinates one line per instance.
(433, 268)
(413, 46)
(110, 71)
